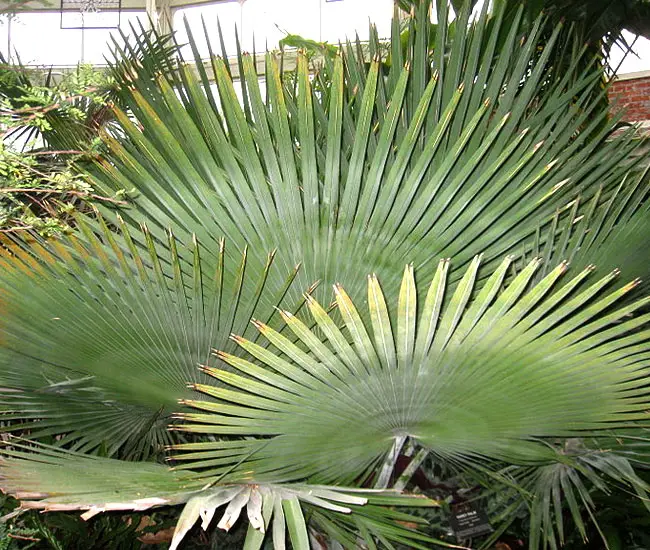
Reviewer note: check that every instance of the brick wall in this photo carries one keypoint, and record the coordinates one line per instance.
(631, 92)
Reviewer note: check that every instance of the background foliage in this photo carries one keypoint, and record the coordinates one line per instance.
(46, 127)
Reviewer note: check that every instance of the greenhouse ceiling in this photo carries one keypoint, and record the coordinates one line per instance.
(261, 25)
(37, 5)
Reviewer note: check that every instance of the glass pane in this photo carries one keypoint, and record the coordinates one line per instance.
(229, 15)
(268, 21)
(63, 46)
(98, 43)
(635, 61)
(4, 34)
(271, 20)
(343, 18)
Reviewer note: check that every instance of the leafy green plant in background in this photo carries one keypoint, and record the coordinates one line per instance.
(49, 123)
(39, 190)
(31, 193)
(130, 363)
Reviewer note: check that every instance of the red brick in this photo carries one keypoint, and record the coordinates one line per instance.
(631, 96)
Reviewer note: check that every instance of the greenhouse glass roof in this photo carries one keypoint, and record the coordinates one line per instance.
(36, 32)
(39, 32)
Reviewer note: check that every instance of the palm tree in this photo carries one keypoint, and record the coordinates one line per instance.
(198, 326)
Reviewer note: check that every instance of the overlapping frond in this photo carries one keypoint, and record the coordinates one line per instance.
(53, 479)
(100, 339)
(371, 164)
(484, 373)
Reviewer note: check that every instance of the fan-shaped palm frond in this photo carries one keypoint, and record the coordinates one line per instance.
(103, 338)
(436, 378)
(451, 153)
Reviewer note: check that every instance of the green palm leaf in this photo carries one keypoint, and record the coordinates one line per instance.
(100, 340)
(53, 479)
(492, 379)
(450, 155)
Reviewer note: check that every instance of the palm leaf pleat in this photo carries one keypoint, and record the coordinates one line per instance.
(606, 231)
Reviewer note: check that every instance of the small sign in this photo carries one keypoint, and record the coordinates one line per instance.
(467, 520)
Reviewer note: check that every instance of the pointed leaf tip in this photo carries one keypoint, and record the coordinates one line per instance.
(631, 285)
(285, 314)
